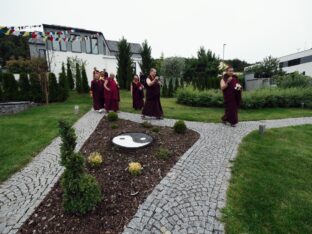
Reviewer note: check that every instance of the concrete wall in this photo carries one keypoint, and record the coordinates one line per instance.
(252, 83)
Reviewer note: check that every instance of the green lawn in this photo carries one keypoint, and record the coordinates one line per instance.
(23, 135)
(271, 186)
(205, 114)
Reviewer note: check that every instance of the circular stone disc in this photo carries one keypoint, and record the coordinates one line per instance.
(132, 140)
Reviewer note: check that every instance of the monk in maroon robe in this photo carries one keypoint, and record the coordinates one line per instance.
(111, 94)
(96, 92)
(102, 97)
(137, 93)
(152, 105)
(232, 96)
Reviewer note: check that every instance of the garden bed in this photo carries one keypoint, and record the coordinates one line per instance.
(122, 192)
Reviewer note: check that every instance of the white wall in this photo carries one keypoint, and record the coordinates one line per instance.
(305, 67)
(93, 60)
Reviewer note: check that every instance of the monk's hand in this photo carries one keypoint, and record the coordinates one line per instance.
(229, 80)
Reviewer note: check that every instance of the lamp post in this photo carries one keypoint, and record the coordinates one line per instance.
(223, 51)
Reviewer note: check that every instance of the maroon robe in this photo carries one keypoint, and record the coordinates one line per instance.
(137, 96)
(97, 89)
(232, 99)
(112, 97)
(152, 105)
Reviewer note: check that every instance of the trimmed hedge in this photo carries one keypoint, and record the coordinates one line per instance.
(271, 97)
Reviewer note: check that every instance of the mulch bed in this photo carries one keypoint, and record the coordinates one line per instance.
(122, 193)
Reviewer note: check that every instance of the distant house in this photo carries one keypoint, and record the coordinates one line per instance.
(87, 45)
(300, 62)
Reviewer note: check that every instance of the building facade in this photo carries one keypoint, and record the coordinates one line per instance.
(81, 44)
(300, 62)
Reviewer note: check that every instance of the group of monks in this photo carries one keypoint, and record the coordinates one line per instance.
(105, 93)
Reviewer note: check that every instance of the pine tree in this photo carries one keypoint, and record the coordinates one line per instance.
(84, 81)
(53, 88)
(24, 87)
(164, 90)
(170, 88)
(78, 79)
(36, 93)
(177, 84)
(70, 79)
(1, 92)
(124, 72)
(182, 82)
(63, 90)
(146, 55)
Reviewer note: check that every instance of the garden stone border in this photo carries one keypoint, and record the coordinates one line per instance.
(187, 200)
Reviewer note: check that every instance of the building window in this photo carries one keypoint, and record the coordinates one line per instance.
(76, 43)
(281, 65)
(42, 53)
(94, 45)
(63, 45)
(56, 45)
(88, 45)
(293, 62)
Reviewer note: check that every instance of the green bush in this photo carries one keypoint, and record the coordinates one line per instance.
(146, 124)
(179, 127)
(269, 97)
(78, 79)
(156, 129)
(10, 87)
(163, 153)
(53, 88)
(81, 192)
(112, 116)
(292, 80)
(114, 126)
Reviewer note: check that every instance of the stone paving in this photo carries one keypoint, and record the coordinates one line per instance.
(187, 200)
(23, 192)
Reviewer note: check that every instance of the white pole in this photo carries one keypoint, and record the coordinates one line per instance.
(223, 51)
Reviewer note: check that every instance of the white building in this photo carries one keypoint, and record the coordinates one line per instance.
(86, 45)
(300, 62)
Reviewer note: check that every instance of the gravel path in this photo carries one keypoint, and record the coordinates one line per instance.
(187, 200)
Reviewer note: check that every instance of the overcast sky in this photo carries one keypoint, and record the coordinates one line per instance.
(252, 29)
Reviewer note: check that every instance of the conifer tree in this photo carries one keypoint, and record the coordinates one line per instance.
(124, 71)
(70, 79)
(164, 90)
(78, 79)
(10, 87)
(84, 81)
(24, 87)
(53, 88)
(177, 84)
(36, 93)
(170, 88)
(63, 90)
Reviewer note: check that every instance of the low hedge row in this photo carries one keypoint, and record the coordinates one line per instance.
(272, 97)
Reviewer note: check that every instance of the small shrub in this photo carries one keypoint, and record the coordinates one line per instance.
(163, 153)
(179, 127)
(135, 168)
(156, 129)
(95, 159)
(146, 124)
(114, 126)
(112, 116)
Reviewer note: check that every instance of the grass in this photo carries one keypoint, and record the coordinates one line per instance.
(25, 134)
(271, 186)
(205, 114)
